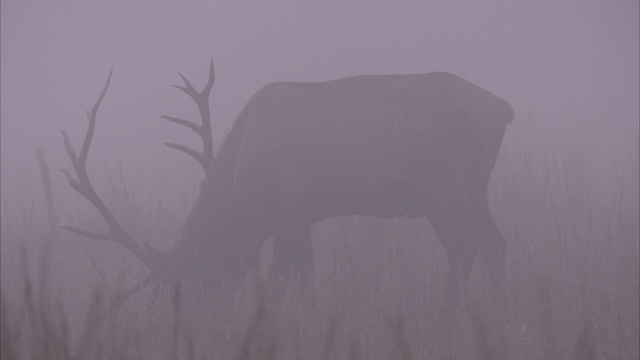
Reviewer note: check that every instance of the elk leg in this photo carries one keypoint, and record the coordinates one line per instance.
(293, 254)
(461, 254)
(493, 247)
(455, 227)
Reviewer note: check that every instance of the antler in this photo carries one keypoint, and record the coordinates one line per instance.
(83, 186)
(204, 130)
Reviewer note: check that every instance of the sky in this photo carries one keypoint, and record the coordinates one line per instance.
(569, 68)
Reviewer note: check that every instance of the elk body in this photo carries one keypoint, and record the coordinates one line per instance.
(376, 145)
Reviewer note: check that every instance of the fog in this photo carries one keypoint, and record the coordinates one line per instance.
(572, 65)
(569, 69)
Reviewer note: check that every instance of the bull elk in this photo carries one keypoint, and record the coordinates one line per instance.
(375, 145)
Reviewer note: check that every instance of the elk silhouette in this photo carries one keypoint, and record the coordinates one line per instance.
(376, 145)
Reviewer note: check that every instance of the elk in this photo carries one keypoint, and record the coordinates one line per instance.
(375, 145)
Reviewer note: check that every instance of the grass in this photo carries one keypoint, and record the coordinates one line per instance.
(572, 284)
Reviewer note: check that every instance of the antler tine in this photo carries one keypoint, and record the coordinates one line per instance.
(212, 78)
(187, 88)
(84, 187)
(204, 130)
(123, 296)
(187, 150)
(48, 191)
(92, 123)
(185, 123)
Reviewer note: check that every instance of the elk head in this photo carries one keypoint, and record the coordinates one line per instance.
(159, 263)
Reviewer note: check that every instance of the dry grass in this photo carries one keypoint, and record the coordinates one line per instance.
(572, 285)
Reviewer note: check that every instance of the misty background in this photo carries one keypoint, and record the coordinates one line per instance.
(564, 190)
(569, 68)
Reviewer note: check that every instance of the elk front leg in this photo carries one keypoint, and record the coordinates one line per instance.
(293, 254)
(493, 247)
(456, 227)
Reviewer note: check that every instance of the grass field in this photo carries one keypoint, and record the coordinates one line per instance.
(572, 287)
